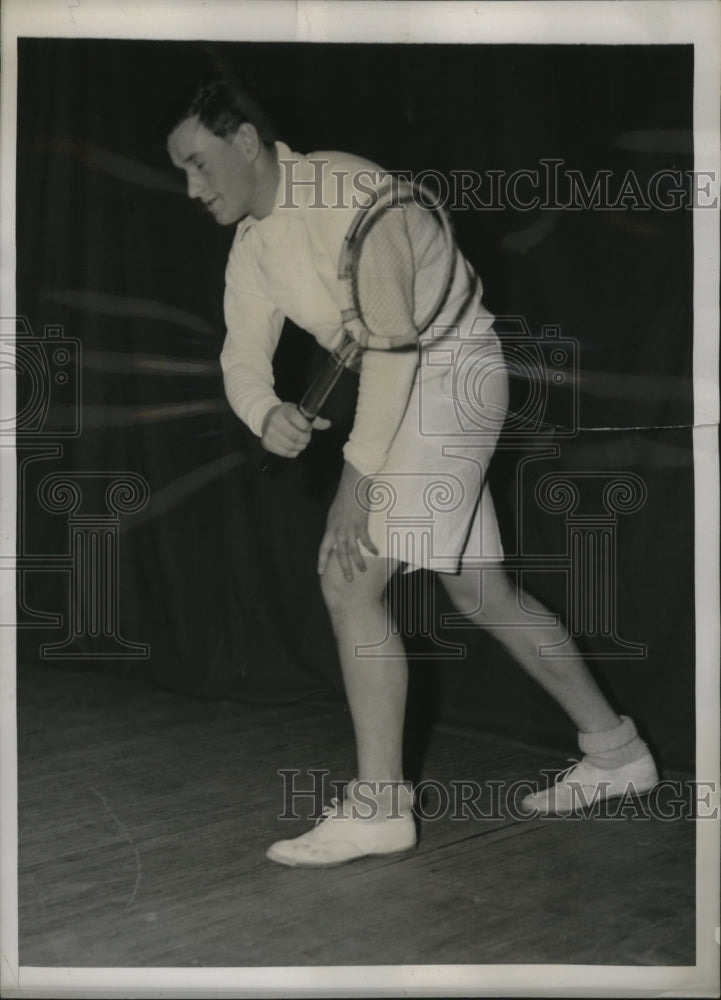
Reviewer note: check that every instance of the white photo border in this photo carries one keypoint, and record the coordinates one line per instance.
(645, 22)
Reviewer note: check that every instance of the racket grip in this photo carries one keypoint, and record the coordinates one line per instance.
(316, 394)
(326, 379)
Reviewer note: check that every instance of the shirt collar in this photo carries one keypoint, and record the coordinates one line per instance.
(282, 152)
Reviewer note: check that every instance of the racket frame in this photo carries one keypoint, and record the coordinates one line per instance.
(393, 196)
(357, 337)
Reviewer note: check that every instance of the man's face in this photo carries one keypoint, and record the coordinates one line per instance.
(221, 172)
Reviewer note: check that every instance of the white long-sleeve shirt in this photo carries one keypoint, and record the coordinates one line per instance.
(285, 265)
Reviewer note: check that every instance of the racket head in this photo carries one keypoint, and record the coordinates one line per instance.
(396, 266)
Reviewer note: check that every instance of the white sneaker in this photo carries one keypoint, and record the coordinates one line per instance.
(363, 824)
(582, 785)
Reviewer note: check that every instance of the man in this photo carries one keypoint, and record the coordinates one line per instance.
(292, 213)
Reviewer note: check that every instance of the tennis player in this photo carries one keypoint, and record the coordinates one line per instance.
(413, 492)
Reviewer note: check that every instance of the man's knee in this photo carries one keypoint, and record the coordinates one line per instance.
(485, 598)
(341, 595)
(334, 587)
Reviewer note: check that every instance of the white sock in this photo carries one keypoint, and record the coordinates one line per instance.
(613, 747)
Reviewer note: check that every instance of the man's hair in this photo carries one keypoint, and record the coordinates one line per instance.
(220, 106)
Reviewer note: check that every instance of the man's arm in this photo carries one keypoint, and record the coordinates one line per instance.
(386, 382)
(254, 327)
(385, 387)
(386, 377)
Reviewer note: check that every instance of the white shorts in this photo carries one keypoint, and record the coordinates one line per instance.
(430, 505)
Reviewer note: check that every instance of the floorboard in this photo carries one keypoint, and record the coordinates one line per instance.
(144, 817)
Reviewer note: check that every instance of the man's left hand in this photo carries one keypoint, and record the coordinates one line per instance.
(347, 525)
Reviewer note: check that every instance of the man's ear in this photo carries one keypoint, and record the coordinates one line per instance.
(247, 140)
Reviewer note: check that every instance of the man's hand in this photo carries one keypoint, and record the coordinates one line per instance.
(347, 525)
(286, 431)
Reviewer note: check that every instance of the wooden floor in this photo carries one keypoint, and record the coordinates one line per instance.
(144, 817)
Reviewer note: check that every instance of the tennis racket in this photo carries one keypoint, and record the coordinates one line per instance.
(395, 272)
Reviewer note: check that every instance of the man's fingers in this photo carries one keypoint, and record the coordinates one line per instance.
(283, 448)
(321, 424)
(287, 441)
(297, 442)
(296, 419)
(355, 554)
(365, 538)
(327, 548)
(325, 551)
(349, 554)
(345, 564)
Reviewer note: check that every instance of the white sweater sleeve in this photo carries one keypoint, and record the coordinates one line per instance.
(386, 381)
(386, 377)
(254, 325)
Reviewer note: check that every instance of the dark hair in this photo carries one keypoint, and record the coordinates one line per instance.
(221, 106)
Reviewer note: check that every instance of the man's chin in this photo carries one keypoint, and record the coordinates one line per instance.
(226, 218)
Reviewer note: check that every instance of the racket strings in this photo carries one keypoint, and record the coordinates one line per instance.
(385, 276)
(433, 253)
(401, 270)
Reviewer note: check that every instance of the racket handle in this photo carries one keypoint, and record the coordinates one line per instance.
(316, 394)
(324, 382)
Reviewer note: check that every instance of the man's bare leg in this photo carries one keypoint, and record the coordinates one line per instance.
(567, 678)
(376, 689)
(615, 761)
(375, 685)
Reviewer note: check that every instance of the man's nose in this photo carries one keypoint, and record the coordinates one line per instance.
(195, 186)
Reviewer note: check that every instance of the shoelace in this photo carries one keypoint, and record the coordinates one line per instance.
(562, 775)
(328, 810)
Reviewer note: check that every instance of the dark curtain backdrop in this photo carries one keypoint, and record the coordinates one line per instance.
(216, 573)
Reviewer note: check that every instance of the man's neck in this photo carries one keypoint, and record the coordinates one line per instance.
(269, 178)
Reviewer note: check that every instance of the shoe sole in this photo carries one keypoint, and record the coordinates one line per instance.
(337, 864)
(635, 795)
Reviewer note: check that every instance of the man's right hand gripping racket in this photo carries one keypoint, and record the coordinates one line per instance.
(395, 271)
